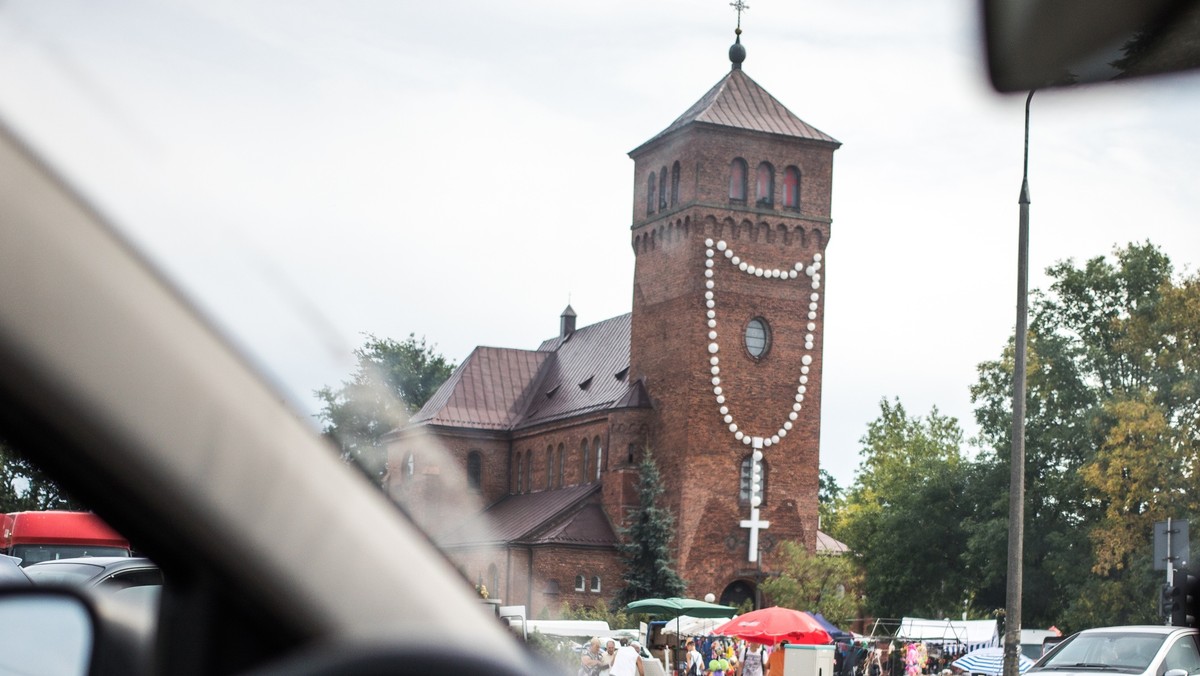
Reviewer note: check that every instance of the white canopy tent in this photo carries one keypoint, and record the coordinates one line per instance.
(687, 625)
(581, 629)
(954, 635)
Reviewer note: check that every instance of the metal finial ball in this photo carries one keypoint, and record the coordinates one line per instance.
(737, 53)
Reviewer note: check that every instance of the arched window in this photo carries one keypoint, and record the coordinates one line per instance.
(737, 180)
(580, 583)
(791, 188)
(549, 466)
(560, 466)
(675, 183)
(744, 483)
(493, 581)
(599, 456)
(662, 189)
(520, 472)
(410, 465)
(651, 193)
(596, 583)
(529, 470)
(765, 185)
(583, 464)
(475, 471)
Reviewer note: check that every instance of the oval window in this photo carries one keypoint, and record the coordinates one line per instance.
(758, 337)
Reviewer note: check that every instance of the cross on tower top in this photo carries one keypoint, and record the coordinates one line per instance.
(737, 53)
(740, 6)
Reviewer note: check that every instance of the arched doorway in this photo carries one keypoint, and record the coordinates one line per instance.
(738, 592)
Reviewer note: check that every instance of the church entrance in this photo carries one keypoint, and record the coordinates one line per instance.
(738, 592)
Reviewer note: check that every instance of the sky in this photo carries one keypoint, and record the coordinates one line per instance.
(313, 171)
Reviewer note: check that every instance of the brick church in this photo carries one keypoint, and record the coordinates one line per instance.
(525, 461)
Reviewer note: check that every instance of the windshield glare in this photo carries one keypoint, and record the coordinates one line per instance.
(1121, 652)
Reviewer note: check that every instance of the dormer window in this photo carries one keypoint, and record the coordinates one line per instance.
(791, 188)
(765, 185)
(737, 180)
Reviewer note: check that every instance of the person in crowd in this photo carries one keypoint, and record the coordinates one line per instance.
(753, 662)
(694, 661)
(628, 660)
(775, 661)
(592, 660)
(610, 652)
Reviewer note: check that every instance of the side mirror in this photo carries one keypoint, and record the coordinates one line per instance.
(1033, 44)
(50, 632)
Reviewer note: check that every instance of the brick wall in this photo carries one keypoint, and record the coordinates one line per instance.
(699, 458)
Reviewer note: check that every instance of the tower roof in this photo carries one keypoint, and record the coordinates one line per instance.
(738, 102)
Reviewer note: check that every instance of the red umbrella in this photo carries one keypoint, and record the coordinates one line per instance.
(775, 624)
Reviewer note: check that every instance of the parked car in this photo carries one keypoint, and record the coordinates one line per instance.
(1148, 650)
(11, 573)
(110, 572)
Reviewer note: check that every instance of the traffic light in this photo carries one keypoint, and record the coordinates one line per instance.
(1184, 595)
(1164, 600)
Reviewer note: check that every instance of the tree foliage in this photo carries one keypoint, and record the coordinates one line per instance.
(816, 583)
(830, 499)
(391, 381)
(646, 550)
(1111, 439)
(24, 487)
(904, 514)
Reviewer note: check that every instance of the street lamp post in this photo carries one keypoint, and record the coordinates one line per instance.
(1016, 487)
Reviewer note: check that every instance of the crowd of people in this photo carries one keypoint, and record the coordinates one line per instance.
(724, 656)
(709, 656)
(612, 661)
(884, 658)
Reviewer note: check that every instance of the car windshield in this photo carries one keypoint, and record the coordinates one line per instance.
(1124, 652)
(534, 266)
(30, 554)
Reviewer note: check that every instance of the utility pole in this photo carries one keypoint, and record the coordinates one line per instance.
(1016, 482)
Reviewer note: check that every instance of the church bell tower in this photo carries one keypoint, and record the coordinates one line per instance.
(731, 218)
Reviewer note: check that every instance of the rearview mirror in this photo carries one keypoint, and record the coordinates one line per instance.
(1032, 44)
(45, 632)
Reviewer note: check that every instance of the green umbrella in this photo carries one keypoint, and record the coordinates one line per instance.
(677, 606)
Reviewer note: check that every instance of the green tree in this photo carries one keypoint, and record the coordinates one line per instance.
(1111, 438)
(391, 381)
(646, 550)
(24, 487)
(1058, 437)
(817, 583)
(616, 619)
(904, 514)
(829, 501)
